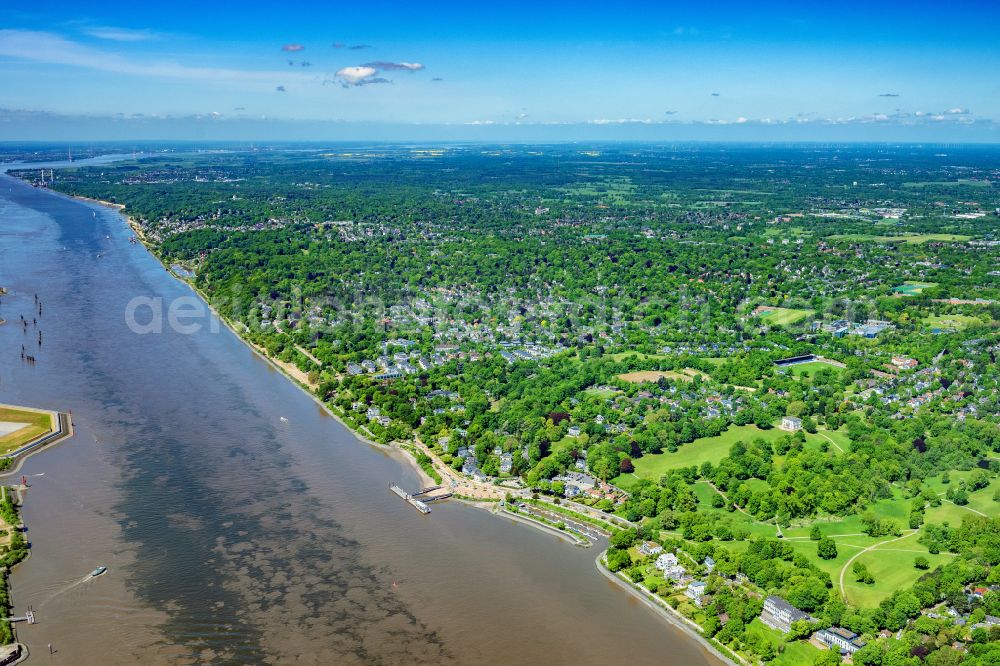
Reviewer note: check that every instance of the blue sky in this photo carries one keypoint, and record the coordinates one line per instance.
(921, 70)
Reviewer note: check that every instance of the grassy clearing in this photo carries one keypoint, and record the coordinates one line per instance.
(618, 356)
(952, 322)
(644, 376)
(36, 425)
(782, 316)
(602, 392)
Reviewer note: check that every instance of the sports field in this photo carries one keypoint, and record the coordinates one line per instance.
(913, 288)
(812, 367)
(782, 316)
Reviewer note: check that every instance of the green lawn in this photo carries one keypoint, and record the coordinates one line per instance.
(711, 449)
(935, 484)
(839, 438)
(792, 653)
(892, 567)
(982, 500)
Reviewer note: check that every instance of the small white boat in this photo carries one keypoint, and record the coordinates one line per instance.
(283, 419)
(97, 572)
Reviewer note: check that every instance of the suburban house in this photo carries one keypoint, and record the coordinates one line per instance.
(709, 563)
(650, 548)
(506, 463)
(904, 363)
(779, 614)
(841, 639)
(695, 591)
(791, 423)
(573, 431)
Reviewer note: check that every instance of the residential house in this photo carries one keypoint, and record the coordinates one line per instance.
(666, 560)
(695, 591)
(709, 563)
(650, 548)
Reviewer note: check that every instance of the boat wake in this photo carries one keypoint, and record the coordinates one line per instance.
(66, 588)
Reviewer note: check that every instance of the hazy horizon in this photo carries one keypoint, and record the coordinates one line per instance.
(523, 72)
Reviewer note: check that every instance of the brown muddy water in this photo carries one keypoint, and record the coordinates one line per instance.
(233, 535)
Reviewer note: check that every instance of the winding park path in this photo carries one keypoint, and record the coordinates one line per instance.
(827, 437)
(843, 592)
(965, 506)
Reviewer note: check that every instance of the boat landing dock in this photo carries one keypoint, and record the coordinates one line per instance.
(413, 501)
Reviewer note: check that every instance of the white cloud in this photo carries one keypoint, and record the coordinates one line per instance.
(387, 66)
(121, 34)
(621, 121)
(52, 49)
(359, 75)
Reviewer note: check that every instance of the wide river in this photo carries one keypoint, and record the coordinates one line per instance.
(238, 521)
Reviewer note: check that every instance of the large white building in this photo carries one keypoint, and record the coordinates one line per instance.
(779, 614)
(838, 638)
